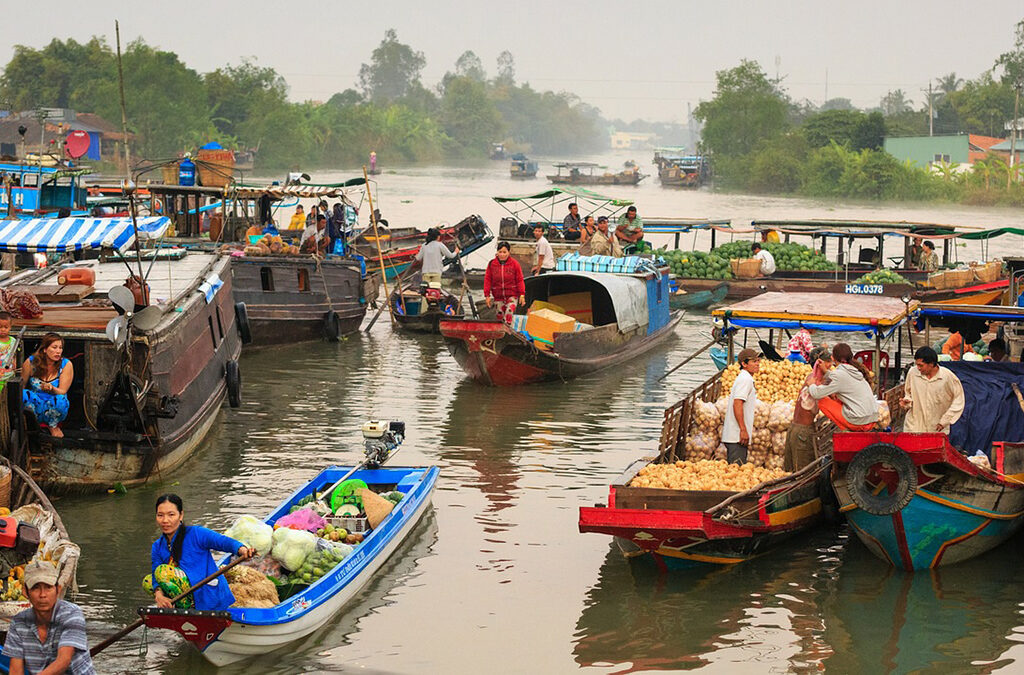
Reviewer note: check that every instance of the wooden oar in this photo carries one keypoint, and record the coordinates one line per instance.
(387, 300)
(469, 294)
(688, 359)
(380, 252)
(131, 627)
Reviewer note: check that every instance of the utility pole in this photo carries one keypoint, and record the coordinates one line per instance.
(124, 114)
(931, 115)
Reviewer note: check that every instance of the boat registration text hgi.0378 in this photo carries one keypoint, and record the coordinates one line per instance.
(864, 289)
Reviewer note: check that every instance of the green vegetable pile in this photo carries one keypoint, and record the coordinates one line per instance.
(697, 265)
(882, 277)
(318, 563)
(788, 257)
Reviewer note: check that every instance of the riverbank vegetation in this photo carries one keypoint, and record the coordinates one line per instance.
(763, 141)
(172, 107)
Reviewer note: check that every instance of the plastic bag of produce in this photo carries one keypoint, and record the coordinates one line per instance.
(761, 413)
(252, 532)
(303, 519)
(291, 547)
(884, 415)
(779, 443)
(701, 445)
(780, 416)
(706, 416)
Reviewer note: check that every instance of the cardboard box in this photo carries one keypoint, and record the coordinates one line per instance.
(540, 304)
(576, 305)
(544, 323)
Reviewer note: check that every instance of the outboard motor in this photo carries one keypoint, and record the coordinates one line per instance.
(18, 543)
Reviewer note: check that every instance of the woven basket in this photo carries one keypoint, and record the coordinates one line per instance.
(988, 272)
(376, 507)
(959, 278)
(215, 167)
(169, 173)
(5, 487)
(937, 280)
(748, 268)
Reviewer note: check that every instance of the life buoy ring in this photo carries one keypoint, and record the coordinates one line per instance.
(244, 327)
(885, 463)
(332, 326)
(158, 206)
(233, 376)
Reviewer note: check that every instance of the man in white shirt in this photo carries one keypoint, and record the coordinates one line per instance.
(766, 258)
(739, 412)
(432, 256)
(932, 395)
(544, 257)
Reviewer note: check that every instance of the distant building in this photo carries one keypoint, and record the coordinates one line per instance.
(946, 149)
(627, 140)
(1003, 149)
(105, 138)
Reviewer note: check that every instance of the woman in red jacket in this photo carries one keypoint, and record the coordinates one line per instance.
(503, 283)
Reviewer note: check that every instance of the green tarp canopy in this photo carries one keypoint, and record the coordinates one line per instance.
(581, 193)
(996, 232)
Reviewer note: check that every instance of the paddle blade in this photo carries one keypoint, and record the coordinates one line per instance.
(122, 298)
(148, 318)
(117, 331)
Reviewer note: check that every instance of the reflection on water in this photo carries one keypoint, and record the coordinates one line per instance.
(498, 577)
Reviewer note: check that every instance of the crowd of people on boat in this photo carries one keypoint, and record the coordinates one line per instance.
(626, 238)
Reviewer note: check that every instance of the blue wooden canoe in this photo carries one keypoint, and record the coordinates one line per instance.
(225, 637)
(681, 299)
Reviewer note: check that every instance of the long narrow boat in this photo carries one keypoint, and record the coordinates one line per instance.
(620, 317)
(29, 504)
(225, 637)
(142, 404)
(681, 299)
(916, 501)
(399, 246)
(421, 311)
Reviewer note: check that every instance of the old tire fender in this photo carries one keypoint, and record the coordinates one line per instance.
(233, 375)
(332, 326)
(244, 327)
(900, 479)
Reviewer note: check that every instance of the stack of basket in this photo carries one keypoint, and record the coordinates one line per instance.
(988, 272)
(959, 278)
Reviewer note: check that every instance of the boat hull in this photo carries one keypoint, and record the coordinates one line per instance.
(287, 300)
(956, 512)
(683, 530)
(698, 299)
(493, 354)
(247, 633)
(823, 282)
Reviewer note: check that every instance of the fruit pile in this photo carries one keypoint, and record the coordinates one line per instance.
(697, 265)
(882, 277)
(319, 562)
(788, 257)
(775, 381)
(332, 533)
(705, 474)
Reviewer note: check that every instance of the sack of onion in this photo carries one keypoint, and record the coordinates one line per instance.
(704, 475)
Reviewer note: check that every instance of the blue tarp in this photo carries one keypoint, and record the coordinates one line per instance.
(59, 235)
(991, 410)
(867, 329)
(212, 145)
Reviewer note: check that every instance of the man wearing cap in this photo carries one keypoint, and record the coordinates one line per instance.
(50, 636)
(739, 412)
(603, 243)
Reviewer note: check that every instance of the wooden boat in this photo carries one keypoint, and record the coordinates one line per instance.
(521, 167)
(421, 310)
(399, 246)
(582, 173)
(681, 170)
(621, 315)
(24, 492)
(141, 404)
(685, 529)
(289, 299)
(916, 502)
(224, 637)
(39, 189)
(681, 299)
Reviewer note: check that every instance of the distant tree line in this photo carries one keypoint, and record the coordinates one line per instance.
(763, 141)
(171, 107)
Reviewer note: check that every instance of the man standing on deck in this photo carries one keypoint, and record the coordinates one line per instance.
(932, 395)
(739, 412)
(544, 256)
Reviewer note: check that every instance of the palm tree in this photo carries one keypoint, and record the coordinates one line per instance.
(949, 83)
(895, 102)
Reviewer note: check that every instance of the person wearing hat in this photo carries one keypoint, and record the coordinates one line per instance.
(739, 411)
(432, 256)
(49, 637)
(603, 243)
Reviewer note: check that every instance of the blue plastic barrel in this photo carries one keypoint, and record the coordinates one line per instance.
(187, 172)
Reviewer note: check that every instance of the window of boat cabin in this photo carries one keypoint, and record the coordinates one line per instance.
(220, 324)
(303, 279)
(267, 278)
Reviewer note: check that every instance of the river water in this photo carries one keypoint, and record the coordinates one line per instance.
(497, 578)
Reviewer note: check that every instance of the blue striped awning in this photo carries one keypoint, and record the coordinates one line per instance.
(59, 235)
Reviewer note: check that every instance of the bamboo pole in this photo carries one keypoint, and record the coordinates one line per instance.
(124, 112)
(380, 253)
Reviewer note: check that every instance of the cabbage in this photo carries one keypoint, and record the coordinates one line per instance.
(291, 547)
(252, 532)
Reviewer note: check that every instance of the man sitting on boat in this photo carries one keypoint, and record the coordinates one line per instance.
(571, 223)
(603, 243)
(630, 230)
(955, 346)
(298, 221)
(432, 256)
(315, 238)
(996, 349)
(854, 406)
(766, 258)
(932, 395)
(504, 287)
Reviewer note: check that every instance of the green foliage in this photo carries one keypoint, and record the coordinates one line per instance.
(777, 166)
(746, 108)
(468, 115)
(983, 105)
(394, 67)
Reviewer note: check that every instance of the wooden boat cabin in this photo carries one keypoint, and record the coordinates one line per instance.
(38, 190)
(148, 383)
(523, 167)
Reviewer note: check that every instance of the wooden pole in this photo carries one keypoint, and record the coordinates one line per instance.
(380, 253)
(124, 112)
(877, 364)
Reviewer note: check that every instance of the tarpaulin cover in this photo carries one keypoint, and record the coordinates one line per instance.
(867, 329)
(59, 235)
(991, 411)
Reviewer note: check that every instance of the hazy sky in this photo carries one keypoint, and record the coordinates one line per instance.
(630, 58)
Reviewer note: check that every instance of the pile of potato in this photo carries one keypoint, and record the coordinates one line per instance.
(704, 474)
(775, 381)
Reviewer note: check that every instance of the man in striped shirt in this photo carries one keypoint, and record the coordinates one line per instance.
(50, 636)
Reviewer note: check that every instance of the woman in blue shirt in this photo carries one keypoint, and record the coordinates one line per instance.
(188, 548)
